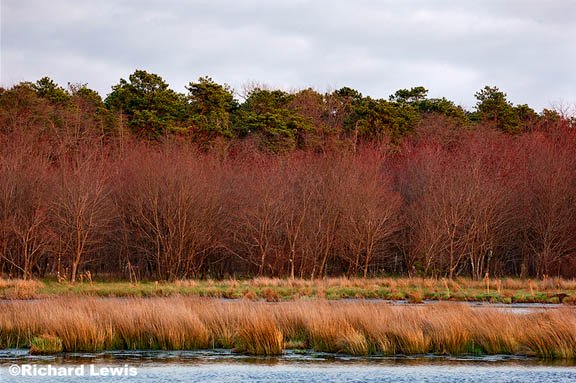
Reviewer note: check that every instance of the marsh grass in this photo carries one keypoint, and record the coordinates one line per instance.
(258, 334)
(553, 337)
(19, 288)
(415, 290)
(357, 327)
(45, 345)
(328, 329)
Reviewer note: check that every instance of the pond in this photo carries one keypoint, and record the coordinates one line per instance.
(306, 366)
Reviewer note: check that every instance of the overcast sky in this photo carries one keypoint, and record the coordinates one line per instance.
(525, 47)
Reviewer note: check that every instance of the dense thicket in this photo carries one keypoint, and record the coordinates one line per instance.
(154, 184)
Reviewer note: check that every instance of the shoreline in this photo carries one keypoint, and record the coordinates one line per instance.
(413, 290)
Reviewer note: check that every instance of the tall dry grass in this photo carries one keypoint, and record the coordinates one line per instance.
(415, 289)
(358, 328)
(19, 288)
(257, 333)
(426, 284)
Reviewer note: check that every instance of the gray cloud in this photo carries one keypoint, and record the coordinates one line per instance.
(454, 48)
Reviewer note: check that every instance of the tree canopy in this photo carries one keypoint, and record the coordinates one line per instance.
(152, 108)
(211, 106)
(277, 120)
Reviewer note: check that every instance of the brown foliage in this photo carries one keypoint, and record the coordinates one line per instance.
(25, 192)
(171, 210)
(82, 212)
(357, 328)
(448, 203)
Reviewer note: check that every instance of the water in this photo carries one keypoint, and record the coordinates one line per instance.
(514, 308)
(224, 366)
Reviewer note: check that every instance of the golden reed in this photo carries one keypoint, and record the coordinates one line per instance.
(358, 328)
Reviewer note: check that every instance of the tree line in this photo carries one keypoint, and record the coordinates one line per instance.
(152, 184)
(210, 114)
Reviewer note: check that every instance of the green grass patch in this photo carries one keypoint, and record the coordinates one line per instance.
(46, 344)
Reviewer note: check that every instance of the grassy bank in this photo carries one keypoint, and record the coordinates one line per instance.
(505, 290)
(358, 328)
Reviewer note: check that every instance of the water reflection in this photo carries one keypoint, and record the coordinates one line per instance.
(293, 366)
(8, 356)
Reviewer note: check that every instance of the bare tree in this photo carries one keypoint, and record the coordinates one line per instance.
(550, 201)
(25, 188)
(82, 211)
(256, 217)
(170, 207)
(460, 217)
(370, 216)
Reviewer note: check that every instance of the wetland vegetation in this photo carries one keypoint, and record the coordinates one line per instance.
(413, 290)
(159, 220)
(153, 185)
(352, 327)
